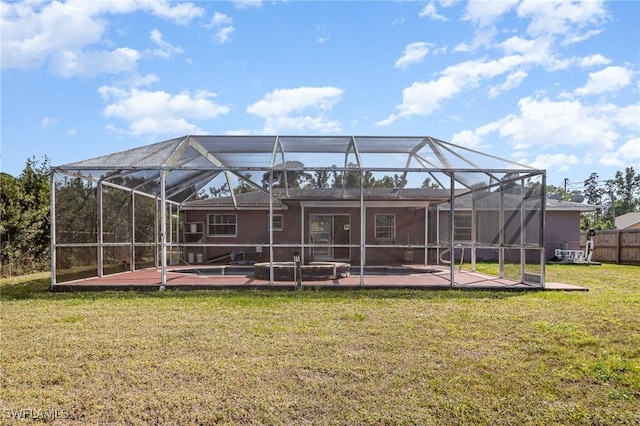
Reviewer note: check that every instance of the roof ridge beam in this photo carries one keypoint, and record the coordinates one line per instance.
(495, 157)
(177, 152)
(215, 161)
(471, 163)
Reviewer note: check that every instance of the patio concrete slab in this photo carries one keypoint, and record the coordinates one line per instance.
(150, 279)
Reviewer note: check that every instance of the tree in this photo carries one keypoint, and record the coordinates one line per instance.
(244, 186)
(216, 192)
(319, 179)
(428, 184)
(395, 181)
(627, 187)
(223, 190)
(290, 177)
(24, 219)
(593, 192)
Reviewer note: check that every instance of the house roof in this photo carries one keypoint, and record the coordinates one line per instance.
(484, 201)
(570, 205)
(491, 201)
(260, 200)
(191, 163)
(627, 220)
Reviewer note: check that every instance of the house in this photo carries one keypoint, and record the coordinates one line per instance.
(628, 221)
(325, 223)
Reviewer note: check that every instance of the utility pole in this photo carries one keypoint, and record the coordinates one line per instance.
(613, 210)
(566, 181)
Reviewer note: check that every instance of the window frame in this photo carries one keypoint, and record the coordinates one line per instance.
(211, 223)
(391, 227)
(270, 222)
(464, 230)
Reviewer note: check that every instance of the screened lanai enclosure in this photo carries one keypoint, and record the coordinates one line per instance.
(362, 201)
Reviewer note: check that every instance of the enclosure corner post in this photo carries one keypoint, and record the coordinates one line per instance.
(100, 236)
(271, 271)
(452, 209)
(543, 214)
(363, 214)
(52, 225)
(163, 230)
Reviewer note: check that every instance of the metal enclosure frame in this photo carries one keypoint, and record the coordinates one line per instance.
(146, 187)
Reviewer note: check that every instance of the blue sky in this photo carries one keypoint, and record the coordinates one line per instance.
(552, 84)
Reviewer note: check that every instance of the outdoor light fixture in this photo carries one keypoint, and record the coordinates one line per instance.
(297, 271)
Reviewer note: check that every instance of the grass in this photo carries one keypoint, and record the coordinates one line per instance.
(322, 357)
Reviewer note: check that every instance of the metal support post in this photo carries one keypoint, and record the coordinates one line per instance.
(297, 271)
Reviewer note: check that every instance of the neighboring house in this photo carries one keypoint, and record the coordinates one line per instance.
(563, 225)
(326, 224)
(628, 221)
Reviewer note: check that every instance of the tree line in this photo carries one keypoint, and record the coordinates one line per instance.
(25, 219)
(615, 197)
(298, 179)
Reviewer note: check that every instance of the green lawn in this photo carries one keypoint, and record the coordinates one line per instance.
(326, 357)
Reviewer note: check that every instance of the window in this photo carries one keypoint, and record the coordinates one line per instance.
(276, 221)
(385, 226)
(223, 225)
(462, 226)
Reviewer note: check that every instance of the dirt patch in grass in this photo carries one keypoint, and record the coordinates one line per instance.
(313, 357)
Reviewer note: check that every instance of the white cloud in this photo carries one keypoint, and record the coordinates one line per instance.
(610, 79)
(425, 97)
(518, 45)
(466, 138)
(547, 124)
(593, 60)
(35, 32)
(284, 109)
(483, 37)
(580, 37)
(429, 11)
(628, 116)
(413, 54)
(561, 18)
(223, 25)
(422, 98)
(220, 20)
(142, 80)
(159, 112)
(558, 162)
(513, 80)
(165, 49)
(324, 36)
(91, 63)
(630, 150)
(485, 13)
(47, 121)
(627, 154)
(223, 35)
(564, 133)
(245, 4)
